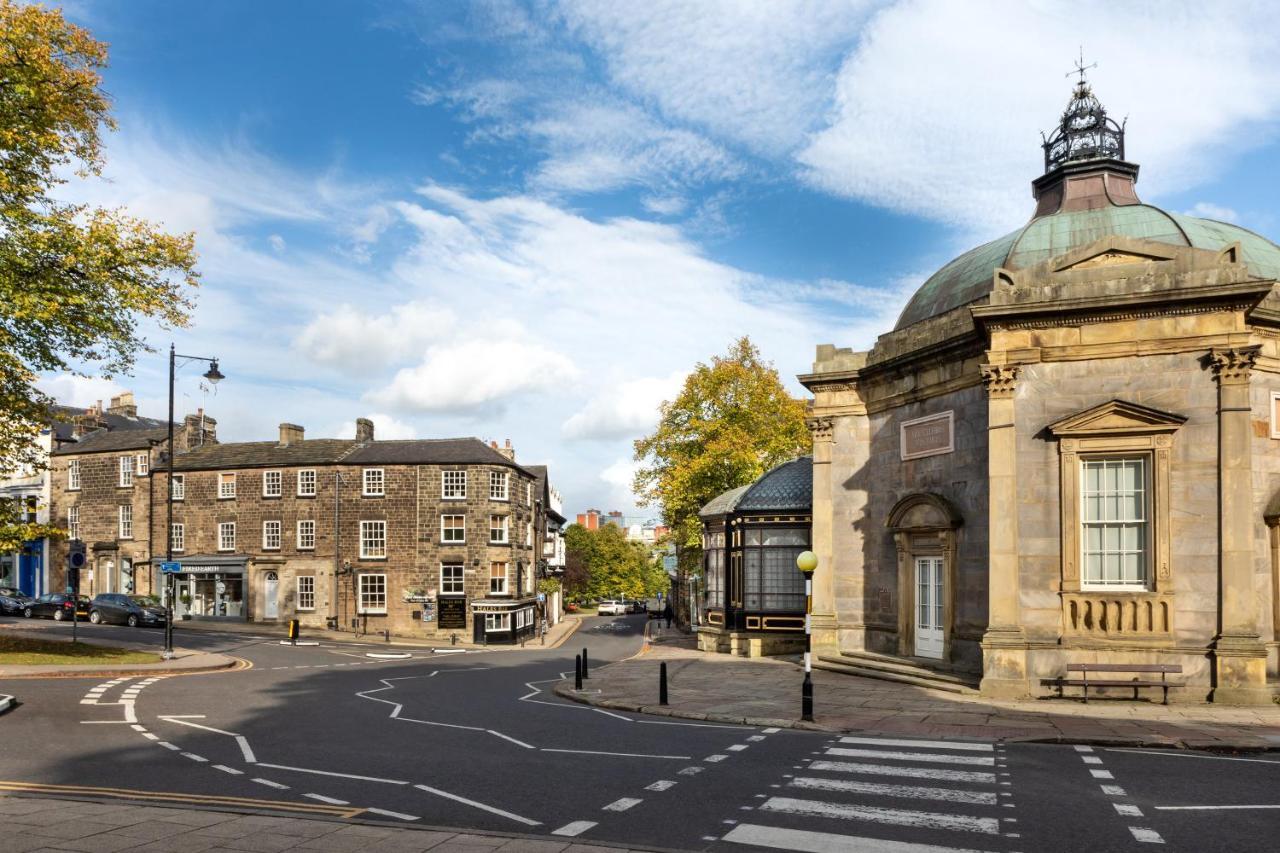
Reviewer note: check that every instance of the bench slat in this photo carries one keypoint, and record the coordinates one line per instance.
(1080, 682)
(1124, 667)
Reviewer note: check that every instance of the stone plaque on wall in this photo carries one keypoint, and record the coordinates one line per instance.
(928, 436)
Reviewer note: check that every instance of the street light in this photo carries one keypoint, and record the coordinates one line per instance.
(214, 376)
(806, 562)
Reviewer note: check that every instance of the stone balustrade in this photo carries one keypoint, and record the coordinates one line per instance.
(1117, 614)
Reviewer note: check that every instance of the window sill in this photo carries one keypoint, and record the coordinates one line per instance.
(453, 542)
(367, 495)
(226, 497)
(456, 498)
(371, 613)
(305, 609)
(365, 559)
(271, 497)
(300, 495)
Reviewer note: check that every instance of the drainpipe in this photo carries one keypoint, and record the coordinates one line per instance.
(337, 551)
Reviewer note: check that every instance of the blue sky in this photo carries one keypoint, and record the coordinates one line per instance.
(528, 220)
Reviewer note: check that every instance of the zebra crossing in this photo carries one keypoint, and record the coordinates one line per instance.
(887, 795)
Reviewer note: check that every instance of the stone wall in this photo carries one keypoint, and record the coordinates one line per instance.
(1266, 481)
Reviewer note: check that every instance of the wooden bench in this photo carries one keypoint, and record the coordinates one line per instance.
(1085, 682)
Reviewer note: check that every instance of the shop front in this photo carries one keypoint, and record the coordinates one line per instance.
(503, 621)
(210, 588)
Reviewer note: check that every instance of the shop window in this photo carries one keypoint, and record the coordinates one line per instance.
(497, 621)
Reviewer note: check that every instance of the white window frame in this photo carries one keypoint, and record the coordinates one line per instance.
(177, 537)
(273, 477)
(306, 592)
(505, 585)
(226, 485)
(373, 483)
(457, 490)
(272, 535)
(503, 530)
(307, 475)
(1147, 545)
(126, 472)
(179, 487)
(528, 493)
(1275, 421)
(949, 416)
(372, 589)
(463, 527)
(306, 534)
(528, 535)
(125, 517)
(226, 536)
(142, 465)
(451, 585)
(499, 485)
(73, 522)
(367, 538)
(497, 622)
(73, 475)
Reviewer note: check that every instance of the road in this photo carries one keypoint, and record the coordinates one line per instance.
(477, 740)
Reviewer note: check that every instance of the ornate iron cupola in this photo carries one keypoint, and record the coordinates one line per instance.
(1084, 165)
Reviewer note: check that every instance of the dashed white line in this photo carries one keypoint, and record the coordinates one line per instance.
(1128, 810)
(150, 736)
(715, 758)
(400, 815)
(772, 730)
(225, 769)
(330, 800)
(737, 747)
(573, 829)
(622, 804)
(482, 806)
(1101, 774)
(756, 738)
(1091, 759)
(1150, 836)
(194, 757)
(168, 745)
(1113, 791)
(660, 785)
(690, 771)
(271, 784)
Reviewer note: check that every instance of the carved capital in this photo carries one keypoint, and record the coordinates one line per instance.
(822, 429)
(1232, 366)
(1001, 380)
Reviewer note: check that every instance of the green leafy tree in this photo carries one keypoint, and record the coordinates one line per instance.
(75, 280)
(732, 421)
(603, 564)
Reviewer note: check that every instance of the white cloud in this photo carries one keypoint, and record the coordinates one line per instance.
(624, 410)
(475, 374)
(277, 243)
(1208, 210)
(79, 391)
(356, 342)
(619, 476)
(385, 428)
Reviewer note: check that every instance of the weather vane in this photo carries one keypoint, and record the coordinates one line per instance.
(1081, 67)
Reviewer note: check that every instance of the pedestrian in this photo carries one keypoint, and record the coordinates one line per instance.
(667, 614)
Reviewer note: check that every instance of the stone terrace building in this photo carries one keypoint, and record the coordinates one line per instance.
(425, 538)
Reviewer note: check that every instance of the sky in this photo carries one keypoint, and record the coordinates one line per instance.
(530, 220)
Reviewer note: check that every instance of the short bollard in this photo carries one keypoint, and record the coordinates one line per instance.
(577, 672)
(293, 631)
(662, 683)
(585, 673)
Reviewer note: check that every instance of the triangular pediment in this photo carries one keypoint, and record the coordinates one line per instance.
(1113, 250)
(1117, 417)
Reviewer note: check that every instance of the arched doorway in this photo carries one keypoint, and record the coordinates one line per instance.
(270, 589)
(924, 529)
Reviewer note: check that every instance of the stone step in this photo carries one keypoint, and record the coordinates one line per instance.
(921, 667)
(917, 677)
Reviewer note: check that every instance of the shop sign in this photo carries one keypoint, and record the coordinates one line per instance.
(453, 611)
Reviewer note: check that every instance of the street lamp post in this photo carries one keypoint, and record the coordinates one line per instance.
(214, 376)
(806, 562)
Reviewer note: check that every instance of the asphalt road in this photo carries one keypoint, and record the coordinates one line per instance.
(477, 740)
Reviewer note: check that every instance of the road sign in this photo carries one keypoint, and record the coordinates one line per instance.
(171, 568)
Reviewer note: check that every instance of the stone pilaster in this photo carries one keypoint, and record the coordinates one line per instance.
(1004, 645)
(1240, 660)
(823, 620)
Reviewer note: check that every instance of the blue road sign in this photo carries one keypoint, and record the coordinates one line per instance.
(171, 568)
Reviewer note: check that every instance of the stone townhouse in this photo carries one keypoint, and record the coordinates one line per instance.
(426, 538)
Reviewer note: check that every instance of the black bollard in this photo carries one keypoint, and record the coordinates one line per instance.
(585, 674)
(806, 699)
(577, 672)
(662, 683)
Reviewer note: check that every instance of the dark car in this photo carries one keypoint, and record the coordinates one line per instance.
(12, 601)
(120, 609)
(56, 605)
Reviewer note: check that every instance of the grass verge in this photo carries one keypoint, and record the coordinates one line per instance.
(23, 651)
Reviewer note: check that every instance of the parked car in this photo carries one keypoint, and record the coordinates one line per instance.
(611, 608)
(571, 607)
(131, 610)
(57, 606)
(13, 602)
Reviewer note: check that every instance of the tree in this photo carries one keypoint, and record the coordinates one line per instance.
(601, 563)
(75, 280)
(732, 421)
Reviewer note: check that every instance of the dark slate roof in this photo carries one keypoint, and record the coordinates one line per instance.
(430, 451)
(102, 440)
(789, 487)
(64, 428)
(264, 454)
(722, 503)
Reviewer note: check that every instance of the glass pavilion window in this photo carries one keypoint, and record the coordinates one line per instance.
(713, 568)
(771, 581)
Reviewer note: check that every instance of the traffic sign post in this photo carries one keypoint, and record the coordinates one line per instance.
(171, 568)
(76, 557)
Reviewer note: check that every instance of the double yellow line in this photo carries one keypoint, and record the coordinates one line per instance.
(208, 800)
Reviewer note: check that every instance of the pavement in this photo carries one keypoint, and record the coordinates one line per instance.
(766, 692)
(48, 824)
(184, 661)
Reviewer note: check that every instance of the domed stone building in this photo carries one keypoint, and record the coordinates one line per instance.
(1066, 451)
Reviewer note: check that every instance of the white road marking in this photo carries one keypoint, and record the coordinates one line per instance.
(913, 792)
(338, 775)
(194, 757)
(103, 722)
(622, 804)
(929, 757)
(896, 817)
(483, 807)
(513, 740)
(737, 747)
(225, 769)
(1193, 755)
(618, 754)
(690, 771)
(1091, 759)
(138, 728)
(576, 828)
(1128, 810)
(772, 730)
(922, 744)
(331, 800)
(715, 758)
(756, 738)
(271, 784)
(907, 772)
(826, 842)
(168, 745)
(1113, 791)
(150, 736)
(1083, 748)
(1148, 835)
(385, 813)
(660, 785)
(240, 739)
(1214, 808)
(1101, 774)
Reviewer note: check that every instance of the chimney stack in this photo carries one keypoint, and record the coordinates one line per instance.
(291, 434)
(364, 430)
(123, 405)
(197, 430)
(506, 450)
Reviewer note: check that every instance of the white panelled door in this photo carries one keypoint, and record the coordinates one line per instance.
(270, 588)
(929, 598)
